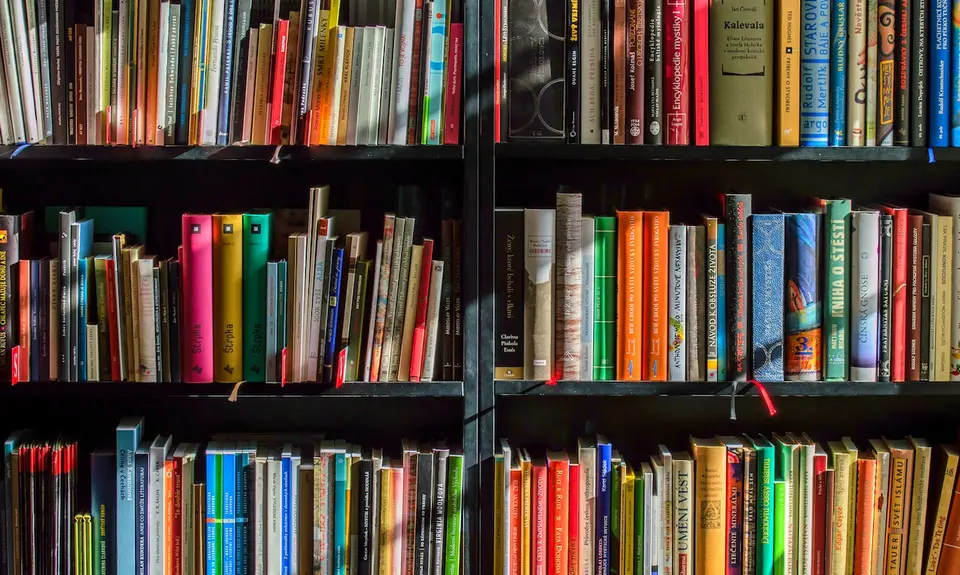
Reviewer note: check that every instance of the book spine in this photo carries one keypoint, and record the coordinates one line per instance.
(229, 508)
(9, 258)
(914, 280)
(184, 72)
(943, 268)
(333, 312)
(695, 334)
(588, 299)
(652, 53)
(677, 73)
(918, 509)
(538, 321)
(738, 211)
(569, 270)
(710, 461)
(655, 312)
(242, 40)
(789, 115)
(919, 73)
(256, 248)
(901, 93)
(603, 510)
(886, 297)
(927, 302)
(677, 305)
(228, 303)
(198, 297)
(112, 314)
(939, 72)
(277, 78)
(887, 33)
(734, 517)
(865, 255)
(383, 290)
(606, 70)
(712, 285)
(228, 58)
(433, 321)
(590, 71)
(422, 298)
(454, 86)
(722, 351)
(768, 269)
(836, 298)
(629, 352)
(635, 72)
(898, 314)
(700, 45)
(605, 301)
(872, 84)
(857, 74)
(619, 76)
(765, 510)
(572, 72)
(838, 72)
(814, 74)
(141, 524)
(804, 335)
(950, 556)
(938, 532)
(896, 548)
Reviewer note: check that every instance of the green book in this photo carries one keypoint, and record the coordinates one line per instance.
(766, 466)
(103, 325)
(780, 533)
(836, 298)
(256, 251)
(605, 299)
(615, 473)
(281, 314)
(638, 531)
(357, 320)
(451, 560)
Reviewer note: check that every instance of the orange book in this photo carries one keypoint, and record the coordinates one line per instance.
(170, 555)
(539, 507)
(516, 479)
(558, 485)
(866, 510)
(950, 556)
(654, 318)
(629, 295)
(24, 374)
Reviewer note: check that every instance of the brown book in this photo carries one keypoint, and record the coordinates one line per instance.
(901, 488)
(199, 533)
(914, 288)
(635, 60)
(619, 71)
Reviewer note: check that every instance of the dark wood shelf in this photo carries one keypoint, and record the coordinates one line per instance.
(591, 152)
(57, 391)
(273, 154)
(713, 389)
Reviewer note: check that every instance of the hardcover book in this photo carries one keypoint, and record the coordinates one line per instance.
(904, 63)
(509, 356)
(676, 77)
(605, 302)
(886, 299)
(569, 272)
(538, 321)
(872, 86)
(814, 73)
(197, 271)
(537, 56)
(838, 72)
(836, 214)
(886, 36)
(655, 306)
(629, 293)
(865, 252)
(737, 208)
(939, 73)
(677, 304)
(588, 300)
(857, 74)
(768, 270)
(696, 291)
(653, 73)
(803, 307)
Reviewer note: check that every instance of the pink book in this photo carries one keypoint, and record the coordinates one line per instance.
(420, 326)
(701, 73)
(451, 108)
(197, 272)
(676, 67)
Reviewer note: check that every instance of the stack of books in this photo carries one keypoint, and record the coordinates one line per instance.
(733, 503)
(834, 293)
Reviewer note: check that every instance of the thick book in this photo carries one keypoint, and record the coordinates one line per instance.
(128, 440)
(803, 337)
(898, 293)
(768, 270)
(568, 273)
(572, 72)
(904, 64)
(788, 90)
(886, 36)
(538, 321)
(197, 274)
(636, 50)
(536, 92)
(228, 303)
(710, 457)
(9, 258)
(605, 301)
(653, 72)
(588, 300)
(509, 296)
(865, 294)
(741, 81)
(914, 294)
(737, 208)
(618, 64)
(836, 299)
(838, 72)
(676, 77)
(948, 205)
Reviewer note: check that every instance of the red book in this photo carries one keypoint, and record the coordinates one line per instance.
(635, 60)
(557, 520)
(416, 85)
(914, 292)
(676, 67)
(866, 500)
(409, 510)
(701, 73)
(497, 12)
(538, 511)
(454, 87)
(197, 273)
(819, 511)
(573, 518)
(176, 479)
(113, 314)
(25, 321)
(279, 73)
(898, 320)
(420, 326)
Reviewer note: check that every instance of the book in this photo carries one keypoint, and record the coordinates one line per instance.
(767, 343)
(606, 276)
(803, 329)
(737, 208)
(538, 346)
(568, 274)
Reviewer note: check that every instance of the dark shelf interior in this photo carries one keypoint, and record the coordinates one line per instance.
(274, 154)
(586, 152)
(824, 389)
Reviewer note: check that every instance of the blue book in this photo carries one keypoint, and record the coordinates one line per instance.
(838, 73)
(242, 516)
(767, 333)
(285, 510)
(213, 519)
(128, 440)
(339, 512)
(226, 71)
(604, 475)
(803, 353)
(81, 247)
(815, 73)
(721, 304)
(228, 454)
(142, 551)
(939, 72)
(433, 98)
(103, 498)
(333, 315)
(955, 77)
(82, 320)
(184, 73)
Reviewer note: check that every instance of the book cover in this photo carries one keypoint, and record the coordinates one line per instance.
(653, 75)
(803, 312)
(538, 347)
(605, 339)
(197, 272)
(536, 90)
(838, 72)
(768, 270)
(939, 73)
(886, 296)
(228, 290)
(677, 304)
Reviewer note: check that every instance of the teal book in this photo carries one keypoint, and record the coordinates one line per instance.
(721, 303)
(836, 296)
(780, 533)
(339, 513)
(256, 251)
(765, 513)
(605, 300)
(82, 266)
(128, 439)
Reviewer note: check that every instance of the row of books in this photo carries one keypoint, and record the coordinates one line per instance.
(750, 73)
(240, 505)
(730, 504)
(335, 309)
(219, 72)
(833, 293)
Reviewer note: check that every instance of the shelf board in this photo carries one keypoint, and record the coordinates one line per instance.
(274, 154)
(713, 389)
(56, 391)
(588, 152)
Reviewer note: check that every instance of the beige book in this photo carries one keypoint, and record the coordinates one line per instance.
(334, 85)
(841, 507)
(710, 463)
(132, 294)
(538, 326)
(386, 351)
(852, 470)
(901, 492)
(93, 352)
(407, 251)
(922, 454)
(253, 51)
(684, 506)
(410, 313)
(433, 321)
(882, 503)
(345, 73)
(54, 317)
(949, 458)
(301, 306)
(261, 115)
(292, 358)
(142, 70)
(147, 341)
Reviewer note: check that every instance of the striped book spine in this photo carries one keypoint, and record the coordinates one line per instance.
(838, 73)
(605, 300)
(955, 76)
(865, 294)
(737, 208)
(803, 307)
(721, 302)
(814, 73)
(767, 336)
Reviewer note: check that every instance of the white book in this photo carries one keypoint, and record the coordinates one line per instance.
(22, 51)
(365, 98)
(569, 271)
(248, 94)
(865, 253)
(274, 536)
(588, 230)
(590, 73)
(187, 472)
(684, 505)
(372, 311)
(666, 511)
(376, 86)
(6, 126)
(433, 321)
(123, 40)
(162, 71)
(33, 43)
(147, 365)
(586, 527)
(409, 313)
(156, 486)
(11, 76)
(351, 102)
(400, 75)
(648, 534)
(805, 506)
(857, 73)
(947, 205)
(677, 300)
(386, 72)
(871, 104)
(338, 87)
(211, 106)
(656, 523)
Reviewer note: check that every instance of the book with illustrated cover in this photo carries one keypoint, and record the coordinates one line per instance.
(537, 54)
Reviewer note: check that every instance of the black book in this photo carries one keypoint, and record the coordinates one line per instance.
(503, 36)
(606, 71)
(158, 341)
(509, 293)
(439, 508)
(66, 220)
(446, 296)
(653, 73)
(886, 294)
(9, 290)
(365, 565)
(422, 560)
(902, 78)
(43, 320)
(925, 288)
(572, 76)
(185, 70)
(241, 54)
(737, 209)
(69, 68)
(34, 320)
(537, 57)
(919, 100)
(457, 288)
(58, 80)
(173, 316)
(46, 54)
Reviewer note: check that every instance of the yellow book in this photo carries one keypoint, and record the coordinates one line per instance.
(345, 75)
(77, 544)
(839, 529)
(410, 313)
(788, 91)
(918, 505)
(328, 74)
(498, 488)
(940, 362)
(197, 70)
(323, 51)
(262, 85)
(628, 486)
(386, 521)
(710, 457)
(526, 489)
(153, 59)
(228, 297)
(853, 471)
(950, 459)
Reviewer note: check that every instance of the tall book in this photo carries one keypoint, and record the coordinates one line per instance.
(9, 257)
(655, 305)
(537, 71)
(128, 439)
(814, 73)
(629, 260)
(710, 458)
(943, 283)
(788, 92)
(865, 293)
(922, 454)
(945, 478)
(737, 208)
(653, 77)
(696, 300)
(856, 74)
(197, 272)
(228, 290)
(886, 36)
(836, 299)
(904, 65)
(713, 265)
(587, 299)
(538, 345)
(872, 81)
(569, 270)
(901, 489)
(838, 72)
(947, 205)
(589, 71)
(898, 293)
(605, 301)
(257, 229)
(677, 304)
(804, 361)
(939, 72)
(886, 297)
(509, 298)
(676, 77)
(768, 270)
(920, 52)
